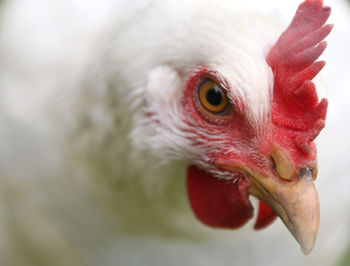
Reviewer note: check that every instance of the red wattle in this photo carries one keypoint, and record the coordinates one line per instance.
(265, 216)
(216, 202)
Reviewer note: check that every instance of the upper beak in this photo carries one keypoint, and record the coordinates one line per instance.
(293, 199)
(295, 202)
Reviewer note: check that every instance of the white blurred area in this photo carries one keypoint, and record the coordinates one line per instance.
(51, 215)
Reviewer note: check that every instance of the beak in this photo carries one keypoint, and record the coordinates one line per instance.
(295, 202)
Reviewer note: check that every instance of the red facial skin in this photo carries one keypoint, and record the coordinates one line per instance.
(218, 202)
(296, 118)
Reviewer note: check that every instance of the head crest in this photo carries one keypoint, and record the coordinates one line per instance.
(292, 59)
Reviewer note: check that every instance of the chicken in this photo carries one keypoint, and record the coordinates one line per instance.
(96, 142)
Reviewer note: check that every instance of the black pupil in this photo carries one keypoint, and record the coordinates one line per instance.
(214, 96)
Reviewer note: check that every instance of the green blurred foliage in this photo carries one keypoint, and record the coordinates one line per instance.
(346, 260)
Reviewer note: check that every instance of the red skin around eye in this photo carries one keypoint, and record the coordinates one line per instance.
(191, 101)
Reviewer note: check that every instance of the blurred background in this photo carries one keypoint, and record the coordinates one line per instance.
(51, 213)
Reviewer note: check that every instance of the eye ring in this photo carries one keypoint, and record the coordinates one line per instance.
(212, 97)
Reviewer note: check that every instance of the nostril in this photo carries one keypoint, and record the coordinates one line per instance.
(306, 172)
(273, 163)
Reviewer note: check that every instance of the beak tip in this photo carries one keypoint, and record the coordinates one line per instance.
(307, 246)
(306, 249)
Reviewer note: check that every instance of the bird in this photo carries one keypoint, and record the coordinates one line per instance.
(144, 135)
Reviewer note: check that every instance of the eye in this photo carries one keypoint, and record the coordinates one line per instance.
(212, 97)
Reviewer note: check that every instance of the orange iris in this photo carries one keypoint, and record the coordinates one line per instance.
(212, 97)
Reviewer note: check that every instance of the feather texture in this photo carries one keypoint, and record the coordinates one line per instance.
(78, 183)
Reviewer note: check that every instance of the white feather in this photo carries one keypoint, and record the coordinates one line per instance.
(71, 190)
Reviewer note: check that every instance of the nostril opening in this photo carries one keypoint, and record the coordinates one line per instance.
(273, 163)
(306, 172)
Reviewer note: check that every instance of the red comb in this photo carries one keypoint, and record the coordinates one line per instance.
(295, 103)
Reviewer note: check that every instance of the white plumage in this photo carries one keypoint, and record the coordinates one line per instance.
(85, 178)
